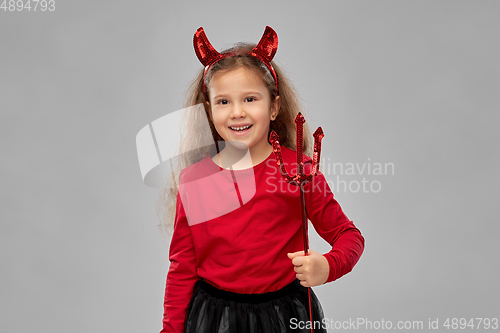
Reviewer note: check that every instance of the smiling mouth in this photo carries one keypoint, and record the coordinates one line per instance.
(241, 129)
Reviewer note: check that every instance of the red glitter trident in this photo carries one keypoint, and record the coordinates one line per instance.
(300, 179)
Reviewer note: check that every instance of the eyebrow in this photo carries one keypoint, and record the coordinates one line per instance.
(244, 93)
(254, 93)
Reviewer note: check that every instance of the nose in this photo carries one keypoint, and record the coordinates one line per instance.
(238, 110)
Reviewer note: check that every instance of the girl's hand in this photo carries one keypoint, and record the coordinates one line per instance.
(312, 270)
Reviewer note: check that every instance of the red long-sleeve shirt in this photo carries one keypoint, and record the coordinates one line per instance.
(237, 237)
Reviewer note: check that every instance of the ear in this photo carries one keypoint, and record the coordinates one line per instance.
(275, 108)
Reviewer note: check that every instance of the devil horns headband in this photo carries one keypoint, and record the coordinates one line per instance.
(264, 51)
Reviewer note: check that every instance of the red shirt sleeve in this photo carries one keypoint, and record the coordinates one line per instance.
(181, 276)
(333, 226)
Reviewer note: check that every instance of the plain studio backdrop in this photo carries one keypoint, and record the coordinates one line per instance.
(413, 85)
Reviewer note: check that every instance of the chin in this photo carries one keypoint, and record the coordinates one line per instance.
(237, 144)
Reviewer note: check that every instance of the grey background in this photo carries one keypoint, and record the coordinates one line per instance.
(414, 83)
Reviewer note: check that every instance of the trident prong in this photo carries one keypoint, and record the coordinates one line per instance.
(300, 177)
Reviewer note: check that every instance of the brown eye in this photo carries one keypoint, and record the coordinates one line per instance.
(249, 99)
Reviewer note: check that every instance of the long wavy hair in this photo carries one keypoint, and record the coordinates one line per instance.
(193, 136)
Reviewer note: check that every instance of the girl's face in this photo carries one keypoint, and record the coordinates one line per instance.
(241, 108)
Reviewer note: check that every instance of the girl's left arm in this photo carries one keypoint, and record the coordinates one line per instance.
(333, 226)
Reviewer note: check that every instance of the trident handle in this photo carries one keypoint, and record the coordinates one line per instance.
(300, 179)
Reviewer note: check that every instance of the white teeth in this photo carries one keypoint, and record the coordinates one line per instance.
(240, 128)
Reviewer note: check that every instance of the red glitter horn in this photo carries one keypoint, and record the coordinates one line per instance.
(264, 51)
(300, 179)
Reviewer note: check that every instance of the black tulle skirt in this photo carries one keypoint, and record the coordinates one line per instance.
(212, 310)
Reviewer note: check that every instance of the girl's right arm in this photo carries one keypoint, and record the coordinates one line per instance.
(181, 276)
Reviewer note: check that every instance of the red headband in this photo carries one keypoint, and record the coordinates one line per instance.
(264, 51)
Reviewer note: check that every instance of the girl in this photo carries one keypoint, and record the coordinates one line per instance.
(236, 259)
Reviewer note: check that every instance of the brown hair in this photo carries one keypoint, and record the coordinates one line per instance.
(283, 125)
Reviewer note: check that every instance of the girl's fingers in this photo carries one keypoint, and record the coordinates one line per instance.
(298, 269)
(304, 283)
(295, 254)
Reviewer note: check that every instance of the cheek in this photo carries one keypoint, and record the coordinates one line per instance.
(219, 124)
(217, 119)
